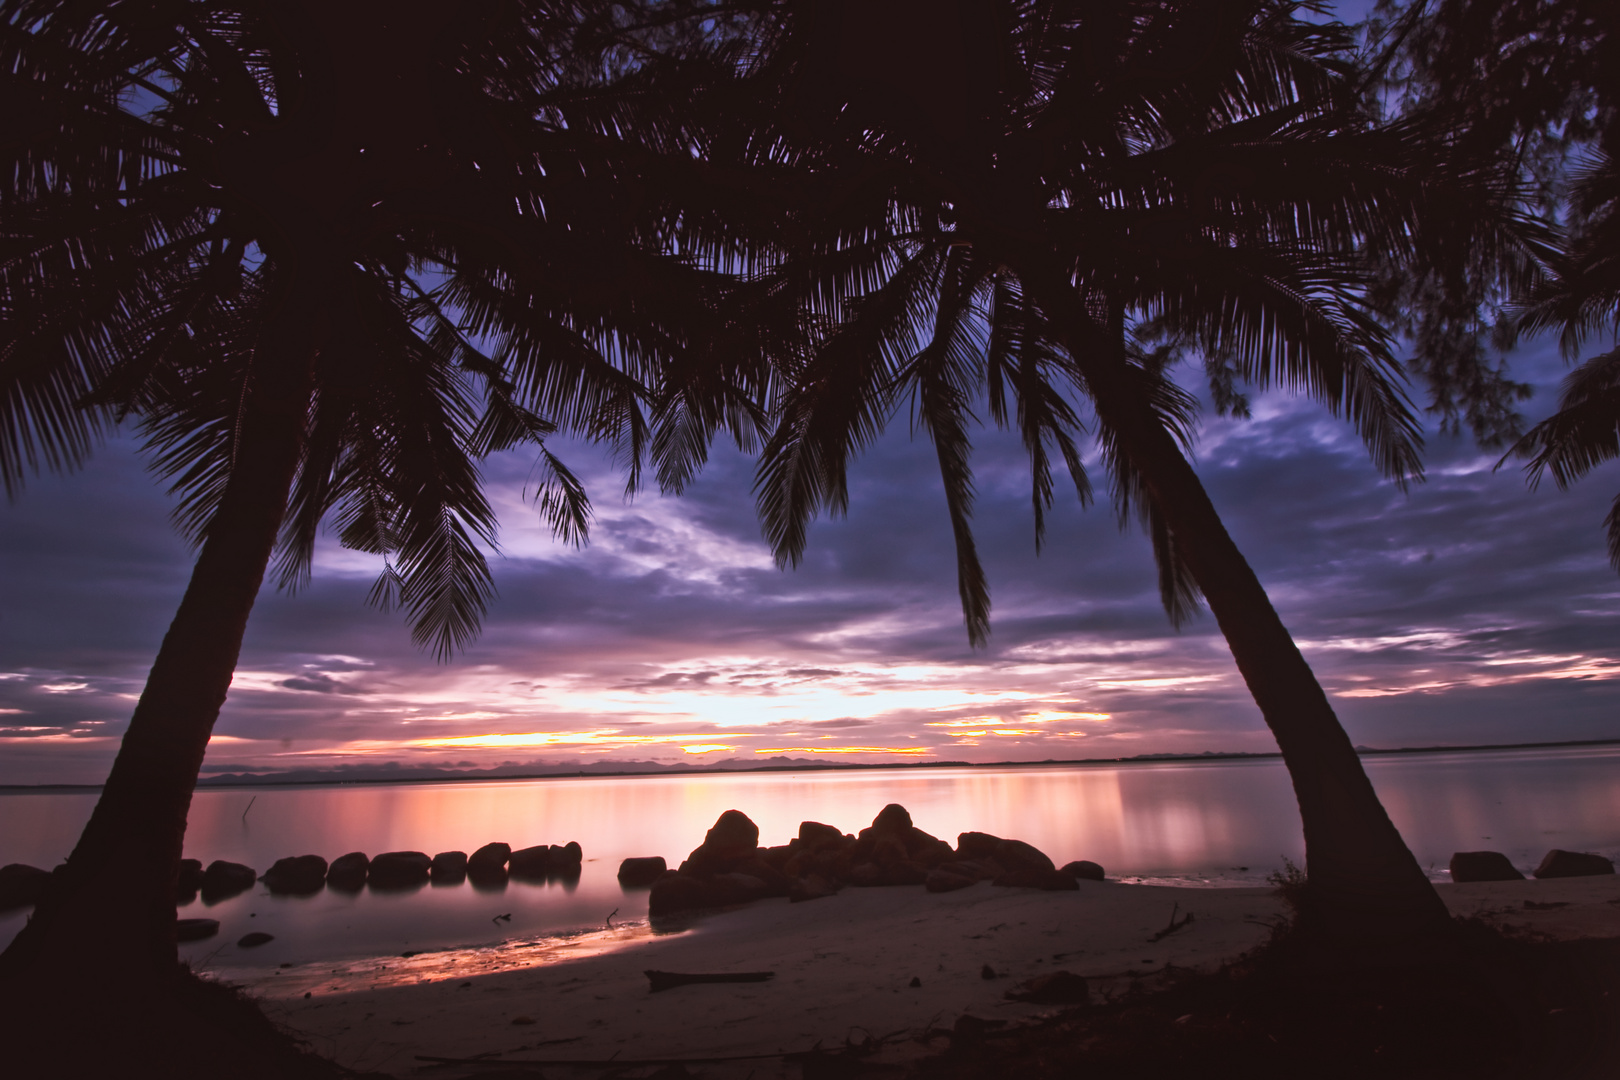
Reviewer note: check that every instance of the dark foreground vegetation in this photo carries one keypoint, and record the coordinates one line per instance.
(1479, 1005)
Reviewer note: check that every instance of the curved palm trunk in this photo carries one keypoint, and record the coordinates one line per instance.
(1364, 881)
(111, 909)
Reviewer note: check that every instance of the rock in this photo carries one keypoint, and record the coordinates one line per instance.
(776, 857)
(887, 849)
(811, 887)
(530, 863)
(753, 886)
(1084, 870)
(926, 849)
(195, 929)
(1024, 877)
(887, 874)
(1483, 866)
(1053, 988)
(988, 972)
(1559, 864)
(687, 892)
(189, 881)
(348, 872)
(942, 880)
(400, 869)
(1015, 855)
(573, 853)
(973, 870)
(487, 865)
(21, 885)
(223, 880)
(813, 835)
(299, 875)
(255, 939)
(976, 845)
(734, 839)
(1010, 854)
(893, 819)
(634, 873)
(448, 868)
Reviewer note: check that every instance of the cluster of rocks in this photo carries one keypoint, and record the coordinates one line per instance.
(1557, 863)
(730, 867)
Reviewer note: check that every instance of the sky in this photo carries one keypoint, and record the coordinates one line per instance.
(1469, 610)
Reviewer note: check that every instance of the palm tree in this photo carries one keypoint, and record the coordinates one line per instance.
(274, 236)
(1582, 300)
(1046, 200)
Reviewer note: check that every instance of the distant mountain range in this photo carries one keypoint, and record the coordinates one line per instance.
(237, 775)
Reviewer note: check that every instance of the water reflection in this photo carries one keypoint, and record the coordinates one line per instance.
(1222, 822)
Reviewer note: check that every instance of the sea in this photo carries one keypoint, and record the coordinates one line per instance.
(1197, 823)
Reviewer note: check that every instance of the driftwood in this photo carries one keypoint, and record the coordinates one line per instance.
(1174, 925)
(614, 1062)
(668, 980)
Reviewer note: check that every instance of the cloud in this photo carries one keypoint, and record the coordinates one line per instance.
(1467, 609)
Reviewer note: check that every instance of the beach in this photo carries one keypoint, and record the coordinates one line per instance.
(843, 965)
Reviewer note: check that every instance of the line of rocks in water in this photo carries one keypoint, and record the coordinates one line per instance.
(730, 867)
(304, 875)
(22, 885)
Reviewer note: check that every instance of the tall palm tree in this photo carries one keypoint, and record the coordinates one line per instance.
(1044, 200)
(273, 234)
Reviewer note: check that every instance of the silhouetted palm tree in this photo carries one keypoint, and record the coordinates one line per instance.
(1583, 300)
(275, 235)
(1046, 200)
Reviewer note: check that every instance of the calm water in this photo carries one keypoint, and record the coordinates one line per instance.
(1225, 822)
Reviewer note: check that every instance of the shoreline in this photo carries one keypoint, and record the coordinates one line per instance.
(815, 766)
(843, 969)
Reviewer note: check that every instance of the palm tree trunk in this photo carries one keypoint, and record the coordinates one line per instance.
(111, 908)
(1365, 883)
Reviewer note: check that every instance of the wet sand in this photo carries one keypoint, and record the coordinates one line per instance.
(843, 968)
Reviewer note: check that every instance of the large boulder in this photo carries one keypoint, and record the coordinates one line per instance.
(634, 873)
(686, 892)
(299, 875)
(941, 879)
(872, 874)
(1483, 866)
(195, 929)
(21, 885)
(811, 887)
(813, 836)
(1008, 854)
(530, 863)
(733, 840)
(1083, 870)
(893, 818)
(348, 872)
(1559, 864)
(487, 865)
(399, 869)
(223, 880)
(448, 868)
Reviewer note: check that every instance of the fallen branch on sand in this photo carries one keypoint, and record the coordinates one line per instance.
(668, 980)
(1174, 925)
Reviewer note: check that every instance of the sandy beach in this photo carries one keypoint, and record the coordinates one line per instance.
(844, 967)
